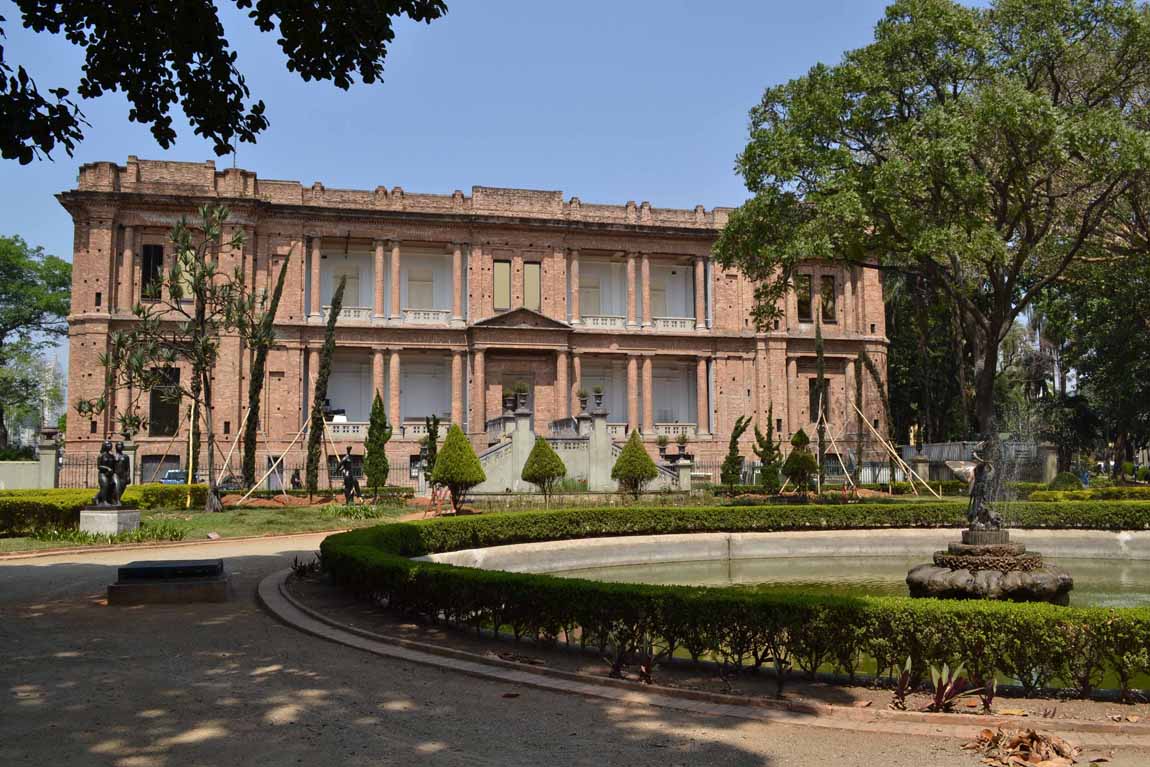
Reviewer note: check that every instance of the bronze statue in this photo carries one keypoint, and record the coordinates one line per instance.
(122, 471)
(106, 477)
(980, 513)
(350, 483)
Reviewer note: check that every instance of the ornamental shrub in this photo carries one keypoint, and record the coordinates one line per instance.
(457, 467)
(375, 464)
(1066, 480)
(732, 469)
(800, 464)
(544, 468)
(633, 468)
(1144, 474)
(25, 511)
(767, 450)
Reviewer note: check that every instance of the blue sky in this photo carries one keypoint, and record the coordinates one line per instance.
(608, 101)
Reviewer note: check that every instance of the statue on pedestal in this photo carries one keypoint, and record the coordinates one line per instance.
(980, 514)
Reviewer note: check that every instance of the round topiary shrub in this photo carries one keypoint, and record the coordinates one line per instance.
(634, 468)
(457, 467)
(1066, 481)
(544, 467)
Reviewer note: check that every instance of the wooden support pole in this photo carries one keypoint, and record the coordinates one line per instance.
(273, 466)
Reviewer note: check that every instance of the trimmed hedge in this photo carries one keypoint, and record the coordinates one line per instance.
(25, 511)
(1037, 644)
(1114, 493)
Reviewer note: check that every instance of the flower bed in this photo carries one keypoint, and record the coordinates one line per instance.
(1036, 644)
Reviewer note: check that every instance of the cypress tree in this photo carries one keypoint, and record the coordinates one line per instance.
(315, 434)
(732, 469)
(432, 423)
(633, 468)
(544, 468)
(800, 465)
(375, 464)
(767, 450)
(457, 467)
(261, 343)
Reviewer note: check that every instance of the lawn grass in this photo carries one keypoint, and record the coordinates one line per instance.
(238, 523)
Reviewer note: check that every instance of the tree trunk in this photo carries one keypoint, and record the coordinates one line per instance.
(3, 429)
(212, 500)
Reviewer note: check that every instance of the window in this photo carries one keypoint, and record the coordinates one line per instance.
(350, 275)
(99, 297)
(827, 298)
(151, 271)
(531, 275)
(164, 406)
(803, 295)
(813, 399)
(421, 287)
(502, 288)
(590, 295)
(658, 295)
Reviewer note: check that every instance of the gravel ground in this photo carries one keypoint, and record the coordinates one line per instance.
(220, 684)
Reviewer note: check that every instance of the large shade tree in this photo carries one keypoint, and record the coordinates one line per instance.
(164, 53)
(981, 150)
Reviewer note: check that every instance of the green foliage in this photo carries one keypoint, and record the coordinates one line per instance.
(432, 424)
(769, 452)
(1128, 469)
(633, 468)
(732, 469)
(820, 415)
(189, 61)
(457, 468)
(17, 454)
(257, 331)
(544, 467)
(316, 425)
(375, 464)
(1109, 493)
(800, 464)
(1144, 474)
(147, 532)
(932, 139)
(1035, 643)
(1066, 480)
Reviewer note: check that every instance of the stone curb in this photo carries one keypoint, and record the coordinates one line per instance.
(37, 553)
(273, 596)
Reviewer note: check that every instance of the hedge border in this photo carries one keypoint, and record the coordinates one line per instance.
(1037, 644)
(25, 511)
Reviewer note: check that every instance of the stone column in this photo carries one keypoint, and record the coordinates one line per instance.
(396, 314)
(848, 301)
(632, 393)
(648, 398)
(562, 391)
(125, 299)
(631, 296)
(377, 276)
(457, 388)
(849, 394)
(377, 365)
(793, 424)
(576, 375)
(700, 293)
(479, 396)
(312, 374)
(646, 275)
(702, 401)
(456, 283)
(574, 277)
(316, 306)
(393, 391)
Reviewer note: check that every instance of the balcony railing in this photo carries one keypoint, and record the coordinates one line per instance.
(418, 427)
(347, 430)
(349, 313)
(426, 316)
(604, 321)
(675, 429)
(617, 430)
(673, 323)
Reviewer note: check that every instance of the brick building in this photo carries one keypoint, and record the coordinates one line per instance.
(452, 298)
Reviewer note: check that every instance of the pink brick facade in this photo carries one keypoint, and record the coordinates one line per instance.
(463, 346)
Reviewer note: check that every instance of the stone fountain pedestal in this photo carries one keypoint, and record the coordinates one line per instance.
(987, 565)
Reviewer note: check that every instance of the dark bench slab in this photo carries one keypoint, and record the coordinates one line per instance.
(171, 582)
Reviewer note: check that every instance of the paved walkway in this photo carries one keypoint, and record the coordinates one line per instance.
(82, 683)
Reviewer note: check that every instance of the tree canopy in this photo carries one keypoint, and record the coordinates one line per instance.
(163, 53)
(984, 151)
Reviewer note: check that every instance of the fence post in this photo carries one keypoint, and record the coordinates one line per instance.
(49, 472)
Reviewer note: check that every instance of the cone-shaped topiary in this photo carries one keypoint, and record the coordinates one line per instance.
(457, 467)
(633, 468)
(800, 465)
(544, 468)
(375, 465)
(732, 469)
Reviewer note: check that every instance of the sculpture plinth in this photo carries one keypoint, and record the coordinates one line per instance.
(986, 564)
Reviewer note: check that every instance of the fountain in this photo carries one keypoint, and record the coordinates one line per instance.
(986, 564)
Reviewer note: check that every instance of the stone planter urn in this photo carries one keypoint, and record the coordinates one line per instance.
(598, 399)
(508, 403)
(522, 400)
(583, 403)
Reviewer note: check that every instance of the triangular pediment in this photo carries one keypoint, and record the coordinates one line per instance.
(522, 318)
